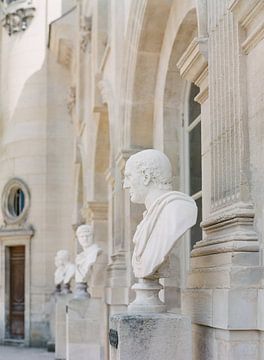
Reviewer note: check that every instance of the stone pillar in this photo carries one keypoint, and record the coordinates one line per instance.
(222, 285)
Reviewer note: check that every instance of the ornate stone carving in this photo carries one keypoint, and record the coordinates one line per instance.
(17, 15)
(169, 214)
(71, 100)
(85, 33)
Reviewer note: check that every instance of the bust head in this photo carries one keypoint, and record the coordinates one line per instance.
(146, 171)
(61, 258)
(85, 235)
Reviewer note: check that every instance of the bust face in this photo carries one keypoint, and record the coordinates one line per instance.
(85, 237)
(135, 183)
(61, 258)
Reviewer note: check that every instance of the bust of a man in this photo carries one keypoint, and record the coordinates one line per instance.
(87, 258)
(64, 268)
(169, 214)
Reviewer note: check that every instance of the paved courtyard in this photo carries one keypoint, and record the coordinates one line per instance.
(21, 353)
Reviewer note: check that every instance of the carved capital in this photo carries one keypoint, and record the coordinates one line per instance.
(17, 15)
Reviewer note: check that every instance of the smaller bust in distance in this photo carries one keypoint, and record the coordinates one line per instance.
(87, 258)
(65, 270)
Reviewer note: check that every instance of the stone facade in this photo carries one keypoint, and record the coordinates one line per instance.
(90, 83)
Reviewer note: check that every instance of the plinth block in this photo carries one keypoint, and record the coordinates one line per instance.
(164, 336)
(83, 330)
(60, 326)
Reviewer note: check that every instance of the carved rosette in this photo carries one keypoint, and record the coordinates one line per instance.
(17, 15)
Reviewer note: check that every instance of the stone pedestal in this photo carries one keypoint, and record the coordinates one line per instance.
(164, 336)
(60, 325)
(83, 330)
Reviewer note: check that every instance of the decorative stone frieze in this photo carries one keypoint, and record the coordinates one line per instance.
(193, 66)
(250, 15)
(17, 15)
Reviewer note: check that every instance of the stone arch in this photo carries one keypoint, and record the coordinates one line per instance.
(146, 29)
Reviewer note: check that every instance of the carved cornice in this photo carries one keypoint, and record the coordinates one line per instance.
(193, 66)
(250, 15)
(17, 15)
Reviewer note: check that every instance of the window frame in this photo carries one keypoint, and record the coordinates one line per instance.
(187, 128)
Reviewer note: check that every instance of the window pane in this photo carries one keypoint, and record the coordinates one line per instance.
(195, 159)
(194, 107)
(196, 231)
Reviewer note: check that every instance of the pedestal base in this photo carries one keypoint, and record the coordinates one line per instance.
(81, 291)
(150, 337)
(83, 330)
(147, 297)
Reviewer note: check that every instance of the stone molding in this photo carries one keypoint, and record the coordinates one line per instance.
(15, 232)
(250, 15)
(17, 15)
(193, 66)
(229, 230)
(9, 218)
(95, 211)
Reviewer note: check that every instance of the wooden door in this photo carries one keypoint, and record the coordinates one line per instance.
(17, 292)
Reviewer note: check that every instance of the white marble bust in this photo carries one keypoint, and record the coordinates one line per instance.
(169, 214)
(65, 270)
(87, 258)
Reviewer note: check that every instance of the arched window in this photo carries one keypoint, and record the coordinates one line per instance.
(193, 160)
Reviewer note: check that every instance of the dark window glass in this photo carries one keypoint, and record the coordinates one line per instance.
(194, 107)
(16, 202)
(195, 159)
(196, 231)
